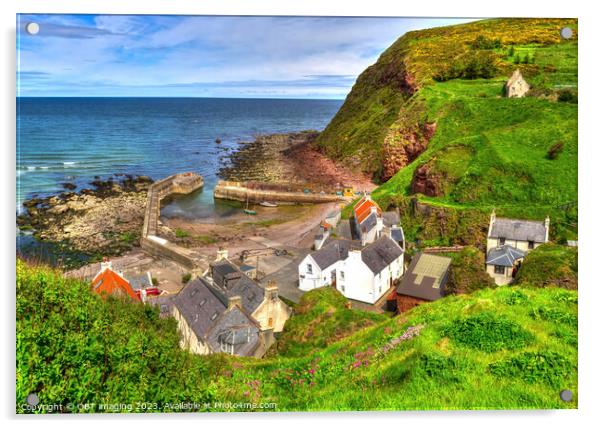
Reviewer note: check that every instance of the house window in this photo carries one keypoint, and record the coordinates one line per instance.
(342, 274)
(270, 322)
(501, 241)
(499, 269)
(531, 245)
(343, 288)
(309, 269)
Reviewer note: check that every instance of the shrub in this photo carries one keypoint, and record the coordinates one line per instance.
(482, 42)
(127, 237)
(467, 273)
(555, 150)
(535, 367)
(550, 265)
(473, 65)
(186, 277)
(554, 315)
(568, 96)
(440, 367)
(181, 233)
(488, 332)
(515, 297)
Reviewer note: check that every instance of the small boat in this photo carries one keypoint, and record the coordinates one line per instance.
(268, 204)
(249, 212)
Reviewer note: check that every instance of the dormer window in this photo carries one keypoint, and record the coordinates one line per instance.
(202, 302)
(214, 316)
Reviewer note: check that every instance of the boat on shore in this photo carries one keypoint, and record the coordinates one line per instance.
(268, 204)
(249, 212)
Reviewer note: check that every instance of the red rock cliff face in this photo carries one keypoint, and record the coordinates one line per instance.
(403, 145)
(426, 181)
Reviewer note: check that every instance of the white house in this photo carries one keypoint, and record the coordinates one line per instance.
(364, 274)
(508, 241)
(368, 219)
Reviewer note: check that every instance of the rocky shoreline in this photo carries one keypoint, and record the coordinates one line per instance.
(104, 220)
(293, 158)
(107, 219)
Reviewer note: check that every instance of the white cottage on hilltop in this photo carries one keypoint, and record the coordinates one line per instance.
(363, 274)
(516, 86)
(508, 241)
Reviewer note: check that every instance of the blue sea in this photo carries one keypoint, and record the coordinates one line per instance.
(73, 140)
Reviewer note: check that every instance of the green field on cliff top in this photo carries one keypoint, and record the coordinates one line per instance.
(488, 151)
(503, 348)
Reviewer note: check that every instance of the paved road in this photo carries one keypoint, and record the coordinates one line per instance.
(287, 277)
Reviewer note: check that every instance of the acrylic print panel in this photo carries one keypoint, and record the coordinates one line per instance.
(295, 213)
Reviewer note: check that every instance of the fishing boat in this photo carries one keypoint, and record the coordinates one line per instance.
(247, 210)
(268, 204)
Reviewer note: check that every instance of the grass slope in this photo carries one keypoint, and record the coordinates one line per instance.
(321, 318)
(488, 151)
(509, 348)
(550, 264)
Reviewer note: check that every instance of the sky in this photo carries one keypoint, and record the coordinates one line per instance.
(202, 56)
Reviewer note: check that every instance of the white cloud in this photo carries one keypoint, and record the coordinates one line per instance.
(139, 55)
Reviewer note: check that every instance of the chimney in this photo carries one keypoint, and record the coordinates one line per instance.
(234, 301)
(491, 221)
(222, 254)
(547, 225)
(105, 264)
(271, 291)
(268, 338)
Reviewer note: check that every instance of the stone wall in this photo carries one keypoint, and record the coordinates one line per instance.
(238, 191)
(183, 183)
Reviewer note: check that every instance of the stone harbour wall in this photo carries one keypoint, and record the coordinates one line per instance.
(183, 183)
(238, 191)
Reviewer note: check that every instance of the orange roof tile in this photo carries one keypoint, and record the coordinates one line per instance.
(363, 209)
(109, 282)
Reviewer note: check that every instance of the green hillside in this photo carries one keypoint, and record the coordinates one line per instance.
(509, 348)
(432, 109)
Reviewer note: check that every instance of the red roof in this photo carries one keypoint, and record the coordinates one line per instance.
(109, 282)
(363, 209)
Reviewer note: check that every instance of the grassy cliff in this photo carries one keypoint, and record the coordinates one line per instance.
(429, 118)
(508, 348)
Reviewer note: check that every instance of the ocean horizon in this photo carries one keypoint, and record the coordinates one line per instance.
(76, 139)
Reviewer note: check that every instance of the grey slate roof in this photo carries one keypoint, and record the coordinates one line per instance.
(164, 303)
(205, 309)
(238, 284)
(200, 304)
(332, 253)
(251, 293)
(139, 282)
(520, 230)
(426, 277)
(504, 256)
(368, 223)
(381, 253)
(235, 328)
(391, 218)
(224, 273)
(397, 234)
